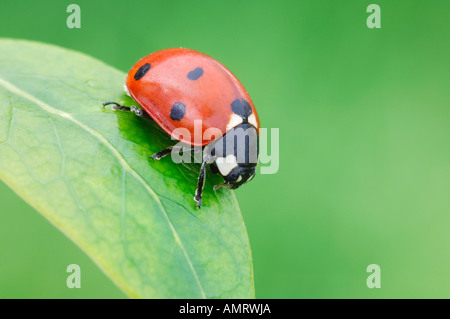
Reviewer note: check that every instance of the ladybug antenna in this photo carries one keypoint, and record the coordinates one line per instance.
(222, 185)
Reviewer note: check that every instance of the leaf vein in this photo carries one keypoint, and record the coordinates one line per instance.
(46, 107)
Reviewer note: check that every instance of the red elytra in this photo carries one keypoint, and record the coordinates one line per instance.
(205, 88)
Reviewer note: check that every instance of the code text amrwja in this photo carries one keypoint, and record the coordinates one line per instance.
(259, 309)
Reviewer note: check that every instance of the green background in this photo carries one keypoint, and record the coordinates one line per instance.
(364, 119)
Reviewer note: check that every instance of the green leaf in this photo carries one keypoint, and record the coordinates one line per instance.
(88, 171)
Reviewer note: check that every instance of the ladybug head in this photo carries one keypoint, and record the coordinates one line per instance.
(236, 155)
(238, 176)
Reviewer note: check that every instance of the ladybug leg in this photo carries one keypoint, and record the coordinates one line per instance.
(161, 154)
(118, 107)
(170, 149)
(200, 184)
(139, 112)
(207, 159)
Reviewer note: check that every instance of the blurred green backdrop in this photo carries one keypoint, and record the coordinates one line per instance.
(364, 118)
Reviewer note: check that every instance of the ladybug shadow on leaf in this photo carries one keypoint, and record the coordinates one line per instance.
(152, 139)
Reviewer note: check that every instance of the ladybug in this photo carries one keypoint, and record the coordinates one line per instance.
(176, 87)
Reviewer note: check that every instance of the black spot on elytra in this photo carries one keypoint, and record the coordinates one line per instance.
(177, 111)
(241, 107)
(141, 71)
(195, 74)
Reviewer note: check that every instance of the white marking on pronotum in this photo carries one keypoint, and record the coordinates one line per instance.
(239, 179)
(252, 120)
(46, 107)
(226, 164)
(234, 121)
